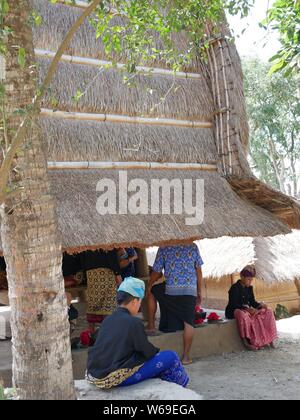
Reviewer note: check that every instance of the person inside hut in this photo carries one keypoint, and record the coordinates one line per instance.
(256, 322)
(3, 278)
(103, 277)
(179, 294)
(72, 270)
(122, 354)
(127, 258)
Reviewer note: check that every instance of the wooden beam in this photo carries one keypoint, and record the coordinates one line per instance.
(132, 165)
(120, 66)
(81, 116)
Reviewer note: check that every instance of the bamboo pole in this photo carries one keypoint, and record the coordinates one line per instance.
(132, 165)
(74, 3)
(120, 66)
(219, 106)
(227, 106)
(81, 116)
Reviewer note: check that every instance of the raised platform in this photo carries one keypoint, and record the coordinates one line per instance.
(210, 340)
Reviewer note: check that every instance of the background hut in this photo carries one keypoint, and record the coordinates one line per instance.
(276, 259)
(199, 131)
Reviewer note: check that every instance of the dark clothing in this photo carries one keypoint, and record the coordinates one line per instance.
(71, 264)
(72, 313)
(92, 260)
(121, 343)
(239, 298)
(2, 264)
(128, 271)
(174, 310)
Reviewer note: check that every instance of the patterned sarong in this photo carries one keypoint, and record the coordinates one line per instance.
(259, 329)
(112, 380)
(101, 294)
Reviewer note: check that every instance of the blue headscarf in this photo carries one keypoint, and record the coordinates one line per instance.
(133, 286)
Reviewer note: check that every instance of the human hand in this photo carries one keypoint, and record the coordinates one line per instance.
(252, 311)
(119, 280)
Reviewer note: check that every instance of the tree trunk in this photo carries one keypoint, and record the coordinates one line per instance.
(278, 169)
(42, 366)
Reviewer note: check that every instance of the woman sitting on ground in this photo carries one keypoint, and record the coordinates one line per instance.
(256, 322)
(122, 354)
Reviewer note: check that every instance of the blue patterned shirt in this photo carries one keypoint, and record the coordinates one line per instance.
(179, 264)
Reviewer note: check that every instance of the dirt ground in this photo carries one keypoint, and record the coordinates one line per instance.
(264, 375)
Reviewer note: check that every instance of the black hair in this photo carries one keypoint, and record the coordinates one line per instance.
(123, 298)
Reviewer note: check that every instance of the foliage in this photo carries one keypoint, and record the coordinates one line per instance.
(6, 394)
(281, 312)
(274, 112)
(144, 20)
(284, 16)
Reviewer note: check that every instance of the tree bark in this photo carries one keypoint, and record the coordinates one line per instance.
(42, 365)
(279, 171)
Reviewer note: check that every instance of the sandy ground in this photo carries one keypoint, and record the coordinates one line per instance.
(263, 375)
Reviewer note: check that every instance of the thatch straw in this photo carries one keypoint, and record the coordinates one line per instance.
(278, 258)
(71, 140)
(83, 228)
(284, 207)
(105, 92)
(222, 256)
(58, 18)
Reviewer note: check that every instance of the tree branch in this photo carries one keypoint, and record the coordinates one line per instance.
(35, 109)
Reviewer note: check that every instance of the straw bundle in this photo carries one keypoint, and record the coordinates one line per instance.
(278, 257)
(284, 207)
(225, 213)
(71, 140)
(58, 18)
(106, 92)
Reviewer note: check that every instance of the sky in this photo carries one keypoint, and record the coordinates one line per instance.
(253, 41)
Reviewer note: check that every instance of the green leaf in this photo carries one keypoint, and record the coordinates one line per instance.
(22, 57)
(4, 7)
(277, 66)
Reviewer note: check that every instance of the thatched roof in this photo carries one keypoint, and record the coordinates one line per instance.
(179, 132)
(276, 259)
(282, 206)
(186, 98)
(82, 227)
(57, 18)
(73, 140)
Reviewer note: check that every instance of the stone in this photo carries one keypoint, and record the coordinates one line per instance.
(152, 389)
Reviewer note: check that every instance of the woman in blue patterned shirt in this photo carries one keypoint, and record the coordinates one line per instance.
(178, 296)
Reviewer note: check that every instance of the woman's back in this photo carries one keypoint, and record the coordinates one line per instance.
(121, 343)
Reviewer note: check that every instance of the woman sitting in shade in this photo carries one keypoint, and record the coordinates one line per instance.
(256, 322)
(122, 354)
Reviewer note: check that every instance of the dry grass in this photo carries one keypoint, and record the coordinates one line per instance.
(71, 140)
(83, 228)
(57, 19)
(284, 207)
(149, 95)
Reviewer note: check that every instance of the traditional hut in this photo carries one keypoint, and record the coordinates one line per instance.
(277, 263)
(200, 131)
